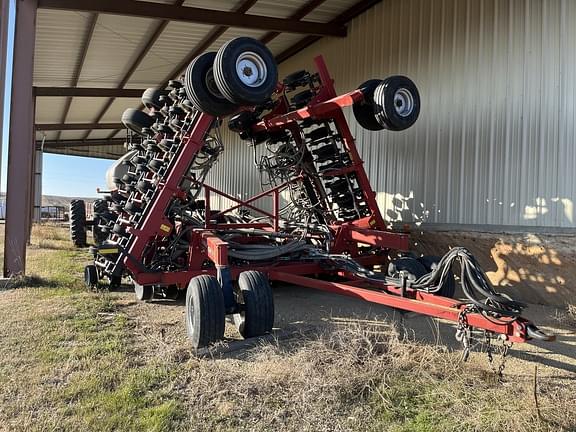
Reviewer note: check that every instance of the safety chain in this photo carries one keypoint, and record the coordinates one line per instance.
(463, 332)
(503, 356)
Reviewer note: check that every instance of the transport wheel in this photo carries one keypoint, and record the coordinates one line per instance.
(205, 311)
(78, 223)
(202, 90)
(142, 292)
(410, 265)
(396, 103)
(246, 72)
(90, 276)
(430, 262)
(255, 295)
(151, 98)
(364, 110)
(136, 120)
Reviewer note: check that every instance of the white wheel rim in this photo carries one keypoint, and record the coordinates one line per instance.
(403, 102)
(251, 69)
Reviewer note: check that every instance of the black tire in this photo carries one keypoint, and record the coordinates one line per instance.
(256, 298)
(136, 120)
(396, 103)
(410, 265)
(246, 88)
(202, 90)
(90, 276)
(205, 311)
(364, 110)
(448, 289)
(142, 292)
(78, 223)
(151, 98)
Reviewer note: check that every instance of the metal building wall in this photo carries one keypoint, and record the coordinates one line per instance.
(495, 142)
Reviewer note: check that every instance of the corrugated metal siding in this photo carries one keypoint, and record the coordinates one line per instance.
(495, 140)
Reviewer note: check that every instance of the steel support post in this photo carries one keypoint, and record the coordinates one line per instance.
(21, 145)
(4, 14)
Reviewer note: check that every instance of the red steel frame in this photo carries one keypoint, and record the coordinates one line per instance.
(206, 245)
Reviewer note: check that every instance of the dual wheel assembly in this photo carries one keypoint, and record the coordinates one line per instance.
(242, 72)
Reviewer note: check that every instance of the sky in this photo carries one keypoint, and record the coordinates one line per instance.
(62, 175)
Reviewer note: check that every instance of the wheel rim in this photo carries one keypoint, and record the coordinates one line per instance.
(403, 102)
(251, 69)
(211, 84)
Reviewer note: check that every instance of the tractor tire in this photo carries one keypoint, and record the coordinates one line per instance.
(410, 265)
(136, 120)
(364, 110)
(245, 71)
(396, 103)
(202, 90)
(448, 289)
(205, 311)
(78, 223)
(255, 295)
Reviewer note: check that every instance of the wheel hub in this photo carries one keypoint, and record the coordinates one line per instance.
(403, 102)
(251, 69)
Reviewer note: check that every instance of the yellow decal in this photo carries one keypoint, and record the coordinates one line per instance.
(165, 228)
(108, 251)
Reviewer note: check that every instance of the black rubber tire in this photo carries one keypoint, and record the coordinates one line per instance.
(136, 120)
(448, 289)
(228, 81)
(384, 103)
(142, 292)
(205, 311)
(202, 90)
(90, 276)
(256, 297)
(410, 265)
(151, 98)
(364, 110)
(78, 222)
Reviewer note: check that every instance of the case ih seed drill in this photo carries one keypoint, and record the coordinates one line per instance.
(322, 223)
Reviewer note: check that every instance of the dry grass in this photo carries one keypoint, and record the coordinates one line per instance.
(75, 360)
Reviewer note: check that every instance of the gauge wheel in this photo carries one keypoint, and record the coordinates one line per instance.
(246, 72)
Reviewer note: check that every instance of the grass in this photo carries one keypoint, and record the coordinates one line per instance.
(76, 360)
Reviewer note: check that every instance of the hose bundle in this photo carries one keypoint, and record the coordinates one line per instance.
(478, 290)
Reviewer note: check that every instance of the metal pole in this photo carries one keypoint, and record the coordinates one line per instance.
(4, 15)
(22, 145)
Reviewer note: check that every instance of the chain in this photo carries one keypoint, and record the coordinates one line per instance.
(463, 332)
(503, 355)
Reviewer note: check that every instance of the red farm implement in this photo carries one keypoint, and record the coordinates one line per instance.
(320, 221)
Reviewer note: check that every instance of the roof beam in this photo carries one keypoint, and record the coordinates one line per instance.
(76, 75)
(149, 44)
(298, 15)
(79, 143)
(211, 37)
(346, 16)
(196, 15)
(77, 126)
(88, 92)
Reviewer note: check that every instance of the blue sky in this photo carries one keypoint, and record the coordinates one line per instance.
(63, 175)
